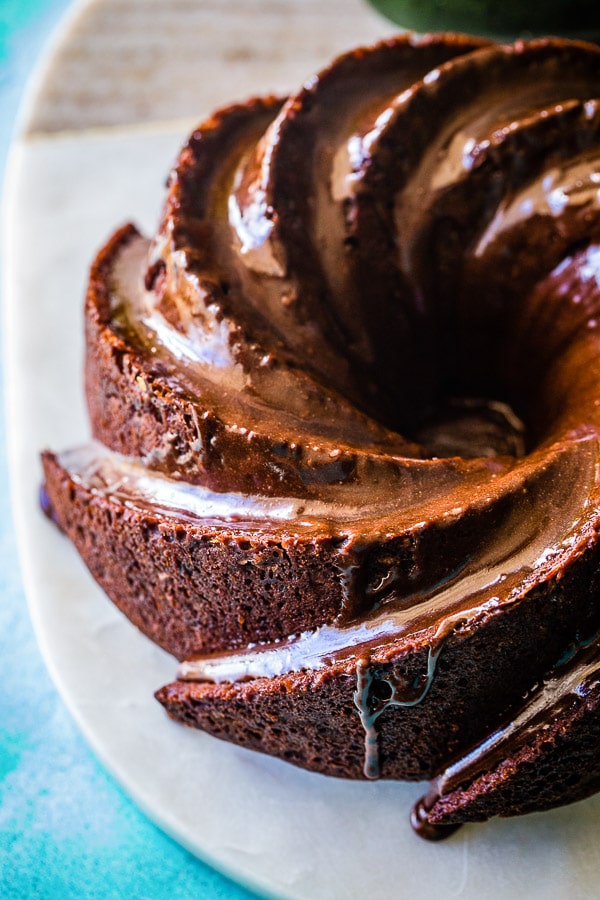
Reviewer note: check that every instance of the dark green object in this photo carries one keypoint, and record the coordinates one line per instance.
(504, 19)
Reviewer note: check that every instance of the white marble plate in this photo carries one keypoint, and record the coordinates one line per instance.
(92, 154)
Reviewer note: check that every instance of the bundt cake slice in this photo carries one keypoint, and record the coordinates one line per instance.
(546, 755)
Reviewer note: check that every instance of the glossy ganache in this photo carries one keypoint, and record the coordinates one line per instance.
(346, 416)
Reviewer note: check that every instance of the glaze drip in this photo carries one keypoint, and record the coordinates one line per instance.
(370, 704)
(419, 820)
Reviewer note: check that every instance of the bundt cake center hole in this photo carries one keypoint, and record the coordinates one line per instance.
(473, 427)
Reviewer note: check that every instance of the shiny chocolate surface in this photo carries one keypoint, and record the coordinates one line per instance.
(381, 297)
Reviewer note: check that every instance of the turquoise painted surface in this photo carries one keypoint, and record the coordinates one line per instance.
(66, 829)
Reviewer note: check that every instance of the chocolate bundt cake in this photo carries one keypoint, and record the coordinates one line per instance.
(346, 420)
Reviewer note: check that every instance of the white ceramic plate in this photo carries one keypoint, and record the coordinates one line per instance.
(90, 157)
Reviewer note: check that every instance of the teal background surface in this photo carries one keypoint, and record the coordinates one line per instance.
(66, 828)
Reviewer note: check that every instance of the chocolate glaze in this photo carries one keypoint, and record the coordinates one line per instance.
(371, 316)
(419, 819)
